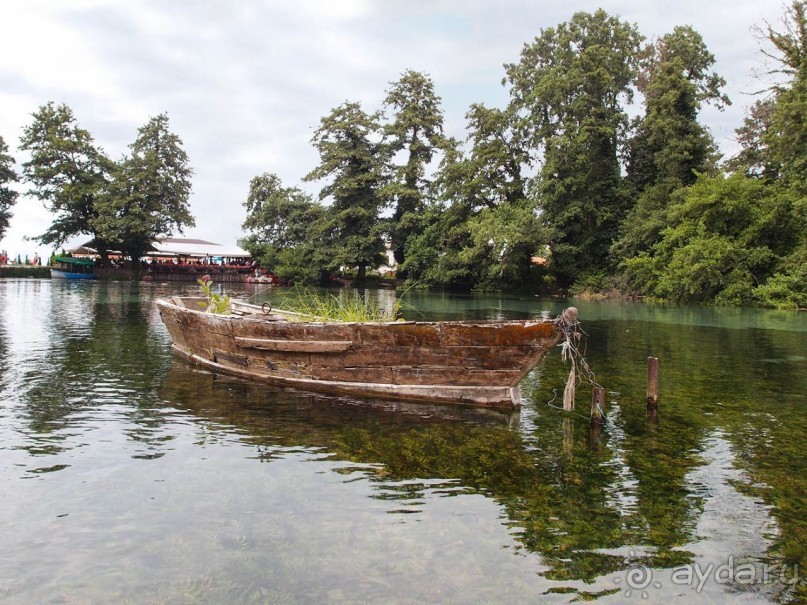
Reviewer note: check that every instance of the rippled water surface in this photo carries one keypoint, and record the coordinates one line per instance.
(131, 477)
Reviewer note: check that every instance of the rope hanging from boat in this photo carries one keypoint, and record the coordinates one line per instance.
(261, 291)
(569, 326)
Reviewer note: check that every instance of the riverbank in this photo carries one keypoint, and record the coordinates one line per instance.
(24, 271)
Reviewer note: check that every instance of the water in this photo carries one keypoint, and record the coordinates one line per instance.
(131, 477)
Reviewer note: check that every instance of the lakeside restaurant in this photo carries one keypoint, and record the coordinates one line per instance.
(179, 259)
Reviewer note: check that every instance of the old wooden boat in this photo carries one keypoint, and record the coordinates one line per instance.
(461, 362)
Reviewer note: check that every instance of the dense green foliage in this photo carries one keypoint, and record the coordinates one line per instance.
(7, 195)
(559, 190)
(417, 131)
(283, 227)
(354, 162)
(741, 239)
(148, 194)
(123, 205)
(65, 170)
(568, 91)
(727, 237)
(668, 146)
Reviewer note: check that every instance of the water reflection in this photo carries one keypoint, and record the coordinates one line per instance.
(143, 478)
(87, 352)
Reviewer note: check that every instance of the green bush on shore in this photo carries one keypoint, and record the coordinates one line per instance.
(24, 271)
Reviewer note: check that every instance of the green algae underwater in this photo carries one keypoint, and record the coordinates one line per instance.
(134, 477)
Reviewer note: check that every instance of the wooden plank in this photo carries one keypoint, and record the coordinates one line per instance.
(285, 330)
(293, 346)
(497, 334)
(487, 358)
(220, 356)
(488, 396)
(357, 374)
(451, 376)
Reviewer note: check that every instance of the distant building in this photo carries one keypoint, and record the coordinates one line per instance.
(196, 248)
(175, 247)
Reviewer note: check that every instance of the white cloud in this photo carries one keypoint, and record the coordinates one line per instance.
(245, 83)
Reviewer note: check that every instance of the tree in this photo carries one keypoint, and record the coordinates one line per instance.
(755, 158)
(670, 147)
(488, 234)
(283, 229)
(727, 237)
(774, 149)
(433, 253)
(567, 90)
(675, 79)
(503, 242)
(7, 195)
(491, 175)
(354, 158)
(278, 215)
(148, 196)
(786, 136)
(67, 172)
(417, 130)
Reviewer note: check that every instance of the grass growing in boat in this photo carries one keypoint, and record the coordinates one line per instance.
(344, 306)
(216, 303)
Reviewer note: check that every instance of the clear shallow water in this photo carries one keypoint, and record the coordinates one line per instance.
(130, 477)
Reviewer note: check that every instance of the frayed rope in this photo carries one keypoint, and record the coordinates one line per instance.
(572, 334)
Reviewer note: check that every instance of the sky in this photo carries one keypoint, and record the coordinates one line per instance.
(245, 83)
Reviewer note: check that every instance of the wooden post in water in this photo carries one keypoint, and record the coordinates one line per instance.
(597, 417)
(652, 383)
(597, 405)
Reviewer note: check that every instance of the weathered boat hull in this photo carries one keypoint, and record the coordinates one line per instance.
(472, 363)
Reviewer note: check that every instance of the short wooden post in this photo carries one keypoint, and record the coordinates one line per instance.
(597, 405)
(652, 383)
(597, 417)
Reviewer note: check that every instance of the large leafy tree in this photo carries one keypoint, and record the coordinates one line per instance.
(786, 136)
(567, 90)
(416, 130)
(492, 172)
(66, 171)
(8, 196)
(433, 254)
(785, 140)
(675, 78)
(353, 159)
(726, 239)
(278, 215)
(755, 158)
(486, 237)
(669, 147)
(149, 192)
(283, 226)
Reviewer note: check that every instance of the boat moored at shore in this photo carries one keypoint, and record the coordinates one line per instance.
(69, 267)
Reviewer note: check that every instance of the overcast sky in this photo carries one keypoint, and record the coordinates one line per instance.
(246, 82)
